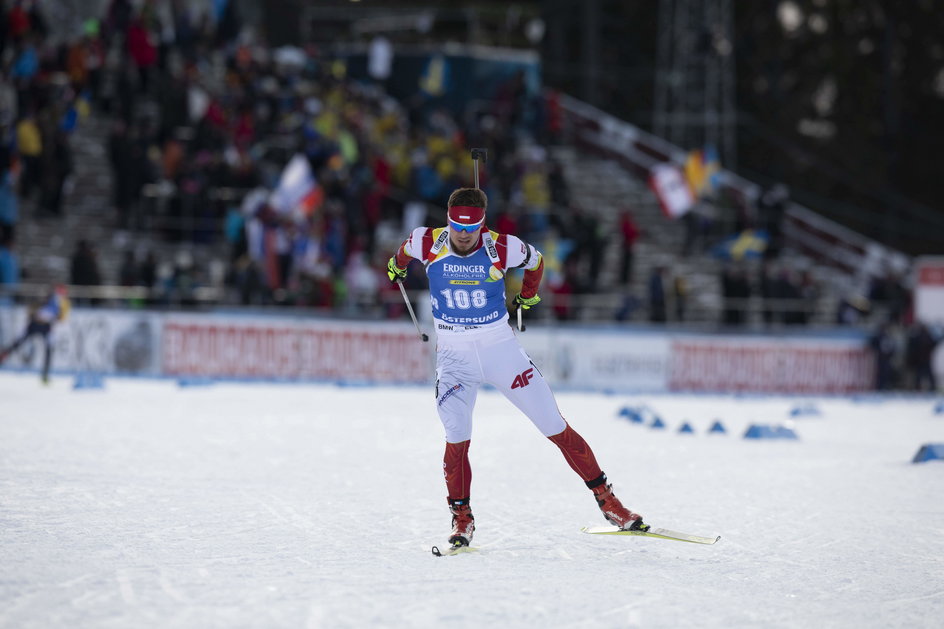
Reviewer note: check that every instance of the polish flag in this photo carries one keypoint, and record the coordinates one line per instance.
(674, 195)
(297, 194)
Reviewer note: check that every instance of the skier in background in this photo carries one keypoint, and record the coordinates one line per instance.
(41, 320)
(466, 264)
(922, 342)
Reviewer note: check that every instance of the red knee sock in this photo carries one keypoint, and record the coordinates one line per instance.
(457, 470)
(578, 453)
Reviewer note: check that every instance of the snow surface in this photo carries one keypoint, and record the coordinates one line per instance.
(147, 504)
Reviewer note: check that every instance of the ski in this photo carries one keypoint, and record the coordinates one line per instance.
(660, 533)
(458, 549)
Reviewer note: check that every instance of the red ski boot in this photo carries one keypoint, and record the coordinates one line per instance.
(614, 511)
(463, 522)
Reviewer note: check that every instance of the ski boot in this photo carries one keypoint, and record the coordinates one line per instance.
(614, 511)
(463, 522)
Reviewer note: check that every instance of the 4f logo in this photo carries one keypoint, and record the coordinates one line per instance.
(523, 379)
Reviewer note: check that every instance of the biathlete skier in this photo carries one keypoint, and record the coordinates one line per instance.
(41, 320)
(466, 265)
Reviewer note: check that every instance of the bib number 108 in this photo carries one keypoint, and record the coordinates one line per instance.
(463, 299)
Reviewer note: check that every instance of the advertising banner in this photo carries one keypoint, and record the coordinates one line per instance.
(101, 341)
(599, 360)
(270, 348)
(929, 290)
(929, 303)
(286, 348)
(771, 365)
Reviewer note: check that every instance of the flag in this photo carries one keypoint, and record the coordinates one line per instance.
(674, 195)
(695, 174)
(712, 166)
(435, 78)
(750, 244)
(297, 194)
(702, 171)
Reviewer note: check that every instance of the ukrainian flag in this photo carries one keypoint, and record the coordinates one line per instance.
(702, 171)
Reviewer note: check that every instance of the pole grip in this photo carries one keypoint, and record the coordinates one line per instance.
(478, 154)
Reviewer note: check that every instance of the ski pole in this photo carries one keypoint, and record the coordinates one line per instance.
(483, 154)
(476, 154)
(409, 307)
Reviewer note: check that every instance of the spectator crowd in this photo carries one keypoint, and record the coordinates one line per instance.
(204, 117)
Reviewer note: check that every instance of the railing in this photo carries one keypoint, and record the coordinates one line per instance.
(638, 151)
(151, 215)
(752, 313)
(884, 212)
(840, 247)
(110, 295)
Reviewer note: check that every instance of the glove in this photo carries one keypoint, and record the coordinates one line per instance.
(395, 273)
(526, 302)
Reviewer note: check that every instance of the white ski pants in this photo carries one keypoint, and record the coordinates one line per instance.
(464, 363)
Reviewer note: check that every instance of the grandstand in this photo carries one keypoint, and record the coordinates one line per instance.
(170, 147)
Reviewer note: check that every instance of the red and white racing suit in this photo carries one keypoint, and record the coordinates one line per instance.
(475, 344)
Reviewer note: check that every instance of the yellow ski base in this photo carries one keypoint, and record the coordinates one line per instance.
(454, 550)
(659, 533)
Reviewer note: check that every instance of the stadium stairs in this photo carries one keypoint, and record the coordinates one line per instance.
(46, 243)
(603, 186)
